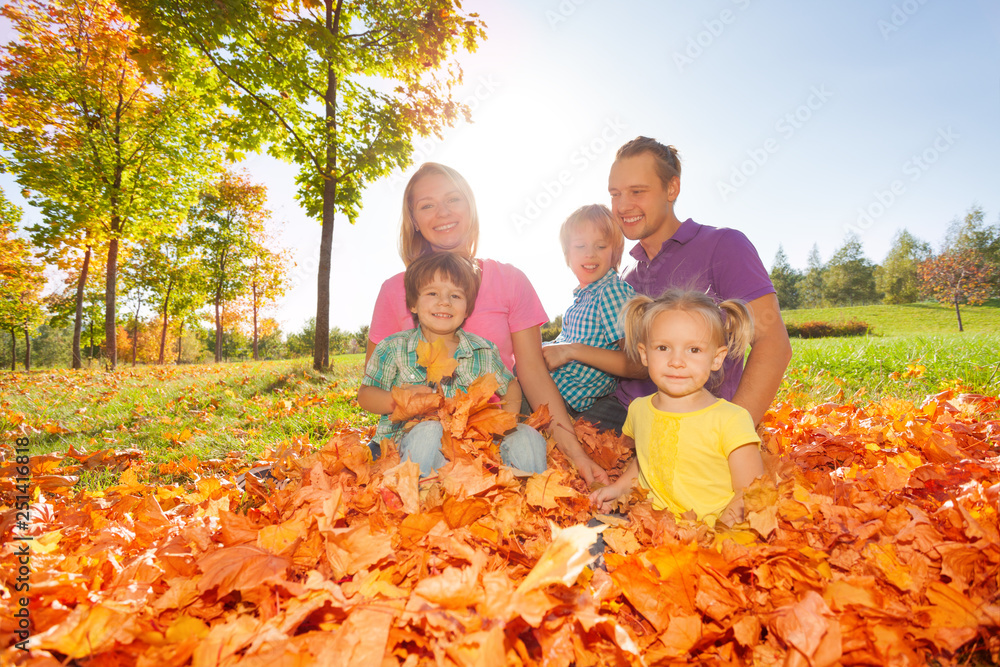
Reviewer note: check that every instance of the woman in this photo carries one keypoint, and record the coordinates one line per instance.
(439, 213)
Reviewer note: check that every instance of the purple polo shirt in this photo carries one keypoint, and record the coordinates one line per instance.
(718, 261)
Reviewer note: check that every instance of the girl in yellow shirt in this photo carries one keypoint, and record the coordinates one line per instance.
(695, 453)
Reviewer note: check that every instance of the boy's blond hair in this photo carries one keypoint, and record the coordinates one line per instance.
(599, 216)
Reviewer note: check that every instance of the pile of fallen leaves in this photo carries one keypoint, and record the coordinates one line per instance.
(874, 541)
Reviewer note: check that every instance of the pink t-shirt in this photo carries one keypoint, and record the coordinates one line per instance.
(506, 303)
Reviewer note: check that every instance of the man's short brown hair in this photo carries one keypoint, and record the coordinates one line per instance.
(668, 162)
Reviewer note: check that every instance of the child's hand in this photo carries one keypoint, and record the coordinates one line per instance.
(604, 497)
(733, 514)
(557, 355)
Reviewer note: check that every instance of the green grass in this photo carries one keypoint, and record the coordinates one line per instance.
(210, 411)
(909, 319)
(902, 366)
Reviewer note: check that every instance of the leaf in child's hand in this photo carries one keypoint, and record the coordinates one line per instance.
(411, 403)
(437, 359)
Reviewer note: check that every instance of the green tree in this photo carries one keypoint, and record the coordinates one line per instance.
(339, 87)
(898, 276)
(113, 139)
(21, 283)
(785, 280)
(811, 287)
(267, 276)
(225, 226)
(850, 276)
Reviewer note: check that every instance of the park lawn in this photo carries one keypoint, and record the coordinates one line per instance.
(227, 411)
(910, 319)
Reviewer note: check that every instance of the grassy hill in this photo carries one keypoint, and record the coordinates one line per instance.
(909, 319)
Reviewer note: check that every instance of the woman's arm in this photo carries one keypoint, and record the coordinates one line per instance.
(612, 362)
(539, 388)
(745, 465)
(512, 399)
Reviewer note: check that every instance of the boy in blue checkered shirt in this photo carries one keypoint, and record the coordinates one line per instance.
(586, 358)
(441, 290)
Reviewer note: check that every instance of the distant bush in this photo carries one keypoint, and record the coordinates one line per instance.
(828, 329)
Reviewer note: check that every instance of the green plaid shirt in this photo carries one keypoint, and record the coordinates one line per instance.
(593, 320)
(394, 363)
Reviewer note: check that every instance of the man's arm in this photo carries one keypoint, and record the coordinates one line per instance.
(770, 353)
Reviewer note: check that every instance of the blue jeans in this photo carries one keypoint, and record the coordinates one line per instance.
(523, 448)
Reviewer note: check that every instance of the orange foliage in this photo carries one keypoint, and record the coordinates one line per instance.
(874, 539)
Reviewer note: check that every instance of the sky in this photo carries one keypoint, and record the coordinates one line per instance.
(796, 122)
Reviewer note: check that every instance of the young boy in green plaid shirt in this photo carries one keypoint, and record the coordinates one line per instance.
(441, 290)
(591, 334)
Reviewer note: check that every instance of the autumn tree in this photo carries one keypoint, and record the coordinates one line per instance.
(225, 226)
(785, 280)
(957, 277)
(115, 138)
(811, 287)
(339, 87)
(267, 275)
(849, 278)
(970, 233)
(21, 282)
(898, 277)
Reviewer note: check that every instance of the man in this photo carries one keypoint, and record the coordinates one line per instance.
(644, 184)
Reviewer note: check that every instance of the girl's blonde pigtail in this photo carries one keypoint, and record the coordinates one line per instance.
(738, 327)
(632, 321)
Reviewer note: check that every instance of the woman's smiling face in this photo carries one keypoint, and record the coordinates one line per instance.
(441, 213)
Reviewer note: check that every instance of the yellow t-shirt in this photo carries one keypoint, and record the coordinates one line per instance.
(684, 456)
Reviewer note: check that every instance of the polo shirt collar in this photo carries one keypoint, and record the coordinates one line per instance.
(594, 285)
(687, 231)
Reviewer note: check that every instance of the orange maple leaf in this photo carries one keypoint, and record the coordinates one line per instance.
(437, 359)
(410, 404)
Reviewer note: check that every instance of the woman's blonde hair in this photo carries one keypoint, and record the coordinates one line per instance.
(730, 321)
(411, 243)
(599, 216)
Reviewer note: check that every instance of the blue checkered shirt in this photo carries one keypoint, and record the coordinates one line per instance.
(394, 363)
(591, 320)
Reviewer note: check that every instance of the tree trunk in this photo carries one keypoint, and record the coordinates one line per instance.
(218, 326)
(110, 331)
(321, 343)
(255, 356)
(78, 318)
(180, 340)
(13, 350)
(27, 347)
(958, 313)
(163, 332)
